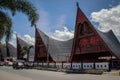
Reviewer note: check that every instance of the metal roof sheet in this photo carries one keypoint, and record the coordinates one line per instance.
(59, 50)
(111, 41)
(32, 50)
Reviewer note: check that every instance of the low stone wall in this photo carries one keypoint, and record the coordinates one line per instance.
(98, 72)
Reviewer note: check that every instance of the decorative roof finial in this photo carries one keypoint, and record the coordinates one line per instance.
(77, 4)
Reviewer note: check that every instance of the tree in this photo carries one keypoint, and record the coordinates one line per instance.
(26, 50)
(5, 26)
(14, 6)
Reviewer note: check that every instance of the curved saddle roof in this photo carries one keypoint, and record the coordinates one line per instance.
(32, 50)
(111, 41)
(59, 50)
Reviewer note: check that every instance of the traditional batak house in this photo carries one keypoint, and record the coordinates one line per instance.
(2, 53)
(12, 50)
(20, 44)
(10, 53)
(91, 45)
(48, 49)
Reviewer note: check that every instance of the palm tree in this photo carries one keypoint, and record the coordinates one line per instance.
(26, 50)
(5, 26)
(14, 6)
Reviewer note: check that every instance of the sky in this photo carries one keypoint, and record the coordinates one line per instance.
(57, 18)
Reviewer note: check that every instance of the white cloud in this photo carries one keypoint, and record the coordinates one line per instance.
(63, 35)
(29, 39)
(26, 37)
(108, 19)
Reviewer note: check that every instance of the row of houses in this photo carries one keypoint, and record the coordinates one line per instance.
(89, 45)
